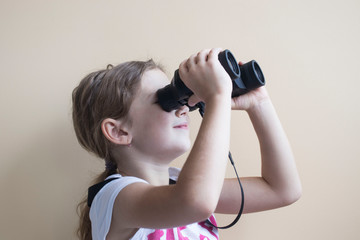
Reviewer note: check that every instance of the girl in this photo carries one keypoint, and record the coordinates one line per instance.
(116, 117)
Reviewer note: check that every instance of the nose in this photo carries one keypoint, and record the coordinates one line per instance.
(182, 111)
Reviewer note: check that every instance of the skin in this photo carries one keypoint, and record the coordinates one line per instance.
(158, 137)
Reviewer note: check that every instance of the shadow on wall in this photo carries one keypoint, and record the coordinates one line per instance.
(48, 174)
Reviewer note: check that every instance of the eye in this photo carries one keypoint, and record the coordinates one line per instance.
(154, 99)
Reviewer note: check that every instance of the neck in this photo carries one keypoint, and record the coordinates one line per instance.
(153, 171)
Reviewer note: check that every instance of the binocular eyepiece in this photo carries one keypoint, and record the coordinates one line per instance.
(244, 78)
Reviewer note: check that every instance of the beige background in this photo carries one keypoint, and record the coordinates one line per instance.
(308, 50)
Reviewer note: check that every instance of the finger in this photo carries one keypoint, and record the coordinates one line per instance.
(191, 61)
(193, 100)
(183, 66)
(241, 63)
(202, 56)
(183, 70)
(214, 53)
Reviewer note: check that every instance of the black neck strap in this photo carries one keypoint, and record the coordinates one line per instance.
(201, 106)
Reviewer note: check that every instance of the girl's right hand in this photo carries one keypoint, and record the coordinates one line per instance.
(205, 76)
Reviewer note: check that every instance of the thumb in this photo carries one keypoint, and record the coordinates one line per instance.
(193, 100)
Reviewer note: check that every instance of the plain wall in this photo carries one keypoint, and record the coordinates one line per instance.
(308, 50)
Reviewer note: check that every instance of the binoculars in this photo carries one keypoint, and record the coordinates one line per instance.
(244, 79)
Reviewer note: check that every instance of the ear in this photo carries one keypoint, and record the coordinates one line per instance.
(115, 132)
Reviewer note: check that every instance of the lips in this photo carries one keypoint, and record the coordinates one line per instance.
(182, 126)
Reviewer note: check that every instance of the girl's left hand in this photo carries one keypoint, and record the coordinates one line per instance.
(250, 99)
(243, 102)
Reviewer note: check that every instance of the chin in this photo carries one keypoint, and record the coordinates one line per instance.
(180, 150)
(186, 146)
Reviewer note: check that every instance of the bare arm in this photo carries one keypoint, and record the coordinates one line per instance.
(279, 184)
(196, 194)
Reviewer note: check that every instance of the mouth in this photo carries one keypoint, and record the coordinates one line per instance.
(182, 126)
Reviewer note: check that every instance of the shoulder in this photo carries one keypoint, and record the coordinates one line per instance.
(109, 192)
(103, 203)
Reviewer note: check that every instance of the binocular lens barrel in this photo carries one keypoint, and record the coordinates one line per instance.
(230, 64)
(245, 78)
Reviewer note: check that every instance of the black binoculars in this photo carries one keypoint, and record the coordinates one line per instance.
(244, 78)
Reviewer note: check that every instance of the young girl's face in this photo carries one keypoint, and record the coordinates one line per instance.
(155, 132)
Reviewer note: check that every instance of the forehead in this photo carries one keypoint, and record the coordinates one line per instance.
(152, 80)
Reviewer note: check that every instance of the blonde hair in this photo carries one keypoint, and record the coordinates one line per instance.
(106, 93)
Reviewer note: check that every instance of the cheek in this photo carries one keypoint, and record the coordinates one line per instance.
(153, 125)
(159, 127)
